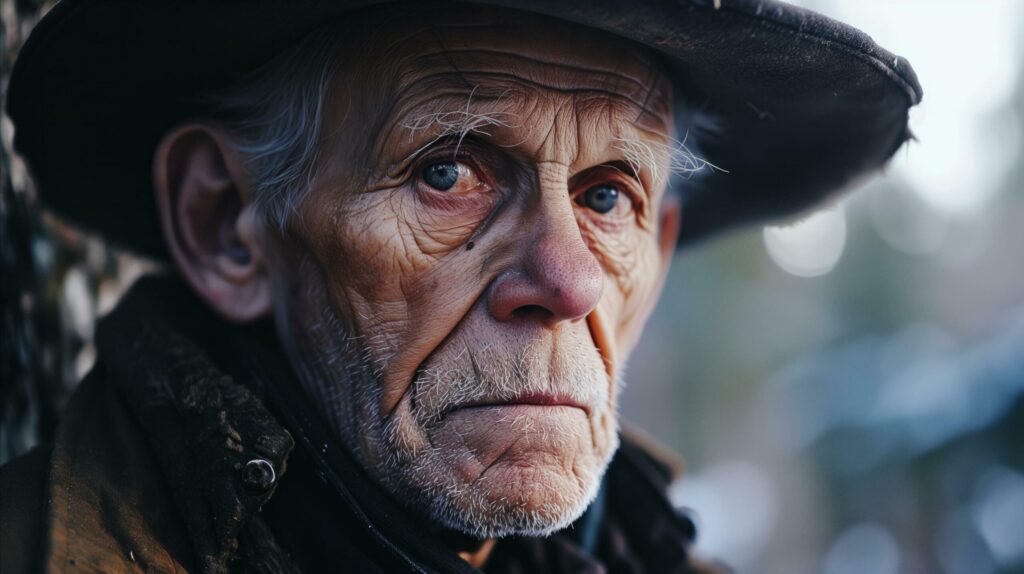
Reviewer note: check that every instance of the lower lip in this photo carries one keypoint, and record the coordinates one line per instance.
(545, 424)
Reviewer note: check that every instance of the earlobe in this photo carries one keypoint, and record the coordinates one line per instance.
(209, 220)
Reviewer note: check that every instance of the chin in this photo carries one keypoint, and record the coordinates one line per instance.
(531, 490)
(522, 499)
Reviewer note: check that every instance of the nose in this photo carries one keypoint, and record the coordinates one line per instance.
(558, 279)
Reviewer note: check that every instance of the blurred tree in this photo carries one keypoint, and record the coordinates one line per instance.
(52, 280)
(28, 374)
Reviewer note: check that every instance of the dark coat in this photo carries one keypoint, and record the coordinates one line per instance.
(176, 454)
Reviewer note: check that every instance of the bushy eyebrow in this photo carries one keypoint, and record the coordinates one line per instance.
(648, 154)
(456, 124)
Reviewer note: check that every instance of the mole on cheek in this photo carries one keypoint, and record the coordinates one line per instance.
(470, 246)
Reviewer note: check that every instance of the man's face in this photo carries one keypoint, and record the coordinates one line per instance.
(460, 288)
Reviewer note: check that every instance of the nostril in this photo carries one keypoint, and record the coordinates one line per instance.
(553, 291)
(531, 312)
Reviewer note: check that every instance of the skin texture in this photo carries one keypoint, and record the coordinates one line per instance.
(466, 343)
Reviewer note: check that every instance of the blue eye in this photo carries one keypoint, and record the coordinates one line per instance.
(442, 175)
(601, 198)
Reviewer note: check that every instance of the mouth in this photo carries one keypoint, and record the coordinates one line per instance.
(527, 400)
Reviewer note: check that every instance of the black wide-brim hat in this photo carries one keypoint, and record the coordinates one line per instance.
(803, 105)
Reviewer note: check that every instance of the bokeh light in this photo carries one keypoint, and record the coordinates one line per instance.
(811, 247)
(848, 389)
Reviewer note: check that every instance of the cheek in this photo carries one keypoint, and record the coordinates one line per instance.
(390, 271)
(373, 250)
(631, 264)
(439, 223)
(395, 243)
(638, 305)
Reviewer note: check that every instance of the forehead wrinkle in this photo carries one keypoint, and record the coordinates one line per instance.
(425, 59)
(418, 49)
(439, 69)
(447, 91)
(659, 92)
(479, 76)
(591, 113)
(512, 80)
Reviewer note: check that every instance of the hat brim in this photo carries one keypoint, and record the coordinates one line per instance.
(802, 104)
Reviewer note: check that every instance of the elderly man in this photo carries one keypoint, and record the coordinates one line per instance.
(410, 248)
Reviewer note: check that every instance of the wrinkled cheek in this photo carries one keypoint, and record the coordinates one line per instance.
(371, 257)
(629, 278)
(620, 256)
(403, 302)
(605, 323)
(439, 225)
(635, 284)
(351, 240)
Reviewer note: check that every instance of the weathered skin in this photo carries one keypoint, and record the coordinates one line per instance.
(467, 342)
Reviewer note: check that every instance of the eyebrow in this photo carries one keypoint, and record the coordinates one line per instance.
(456, 124)
(642, 154)
(446, 112)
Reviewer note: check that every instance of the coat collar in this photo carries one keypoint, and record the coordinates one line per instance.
(159, 435)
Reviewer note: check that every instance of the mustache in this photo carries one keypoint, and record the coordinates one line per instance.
(571, 373)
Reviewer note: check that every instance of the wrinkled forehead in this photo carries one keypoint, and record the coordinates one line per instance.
(480, 41)
(406, 62)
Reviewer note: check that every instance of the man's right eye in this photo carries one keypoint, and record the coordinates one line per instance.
(452, 177)
(442, 176)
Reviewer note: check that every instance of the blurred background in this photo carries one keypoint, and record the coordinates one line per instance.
(848, 391)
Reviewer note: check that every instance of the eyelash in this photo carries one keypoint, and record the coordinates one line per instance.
(453, 151)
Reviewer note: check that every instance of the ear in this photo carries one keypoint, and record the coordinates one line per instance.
(209, 221)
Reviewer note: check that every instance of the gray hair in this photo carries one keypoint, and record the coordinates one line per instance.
(275, 117)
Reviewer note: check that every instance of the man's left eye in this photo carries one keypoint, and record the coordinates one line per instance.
(602, 198)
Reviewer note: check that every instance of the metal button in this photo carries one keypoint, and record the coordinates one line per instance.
(258, 474)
